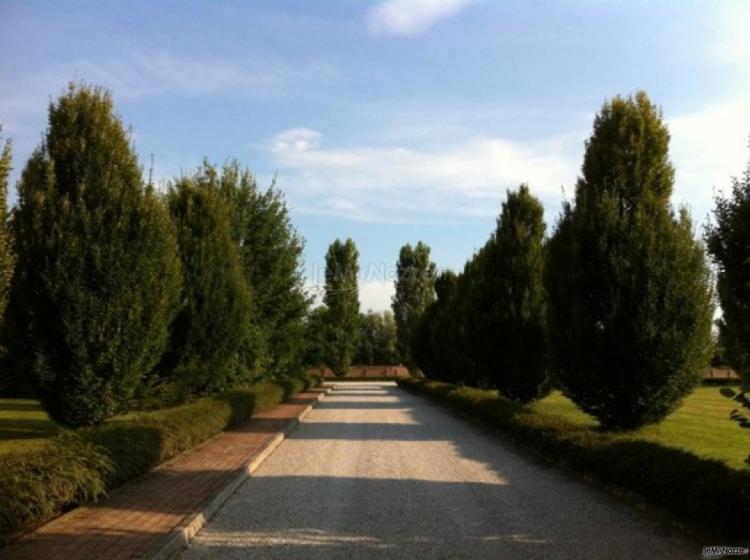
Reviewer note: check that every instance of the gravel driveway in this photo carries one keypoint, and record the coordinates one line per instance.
(376, 472)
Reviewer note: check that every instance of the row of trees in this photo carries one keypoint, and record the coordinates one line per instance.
(341, 335)
(114, 293)
(118, 293)
(615, 308)
(337, 333)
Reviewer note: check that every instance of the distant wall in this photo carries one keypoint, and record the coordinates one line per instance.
(720, 374)
(366, 371)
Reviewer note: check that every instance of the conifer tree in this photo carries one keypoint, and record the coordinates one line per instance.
(211, 327)
(434, 349)
(271, 251)
(509, 301)
(98, 275)
(728, 241)
(342, 303)
(629, 293)
(415, 291)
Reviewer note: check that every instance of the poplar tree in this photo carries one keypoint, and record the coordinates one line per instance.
(98, 275)
(342, 302)
(415, 291)
(629, 292)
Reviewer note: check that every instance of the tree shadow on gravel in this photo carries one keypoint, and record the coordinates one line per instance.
(323, 517)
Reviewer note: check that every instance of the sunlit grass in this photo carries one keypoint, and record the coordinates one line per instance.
(702, 425)
(23, 425)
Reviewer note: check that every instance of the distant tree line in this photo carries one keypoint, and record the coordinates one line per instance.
(339, 335)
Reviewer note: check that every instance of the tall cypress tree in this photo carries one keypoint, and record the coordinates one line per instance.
(415, 291)
(342, 303)
(98, 275)
(433, 347)
(729, 243)
(630, 300)
(212, 326)
(509, 301)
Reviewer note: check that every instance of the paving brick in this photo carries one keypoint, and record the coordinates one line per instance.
(138, 517)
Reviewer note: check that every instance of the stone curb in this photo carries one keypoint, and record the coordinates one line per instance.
(181, 536)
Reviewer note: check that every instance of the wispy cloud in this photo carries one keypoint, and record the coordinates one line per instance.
(410, 17)
(140, 75)
(395, 182)
(468, 179)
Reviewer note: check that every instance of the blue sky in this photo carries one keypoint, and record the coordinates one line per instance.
(390, 121)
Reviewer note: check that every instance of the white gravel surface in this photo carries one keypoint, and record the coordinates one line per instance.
(376, 472)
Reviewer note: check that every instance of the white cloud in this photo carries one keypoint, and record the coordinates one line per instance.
(709, 146)
(376, 295)
(395, 183)
(731, 40)
(410, 17)
(468, 179)
(141, 75)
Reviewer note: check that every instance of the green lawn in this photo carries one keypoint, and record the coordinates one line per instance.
(23, 425)
(703, 425)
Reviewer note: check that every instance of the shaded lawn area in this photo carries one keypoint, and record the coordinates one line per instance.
(23, 425)
(709, 424)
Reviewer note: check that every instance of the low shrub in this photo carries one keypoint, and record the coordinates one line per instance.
(703, 493)
(36, 485)
(80, 466)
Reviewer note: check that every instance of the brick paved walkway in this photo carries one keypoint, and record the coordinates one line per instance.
(138, 519)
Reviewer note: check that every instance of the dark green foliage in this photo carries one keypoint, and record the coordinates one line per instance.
(7, 258)
(377, 341)
(342, 303)
(707, 494)
(415, 291)
(487, 327)
(76, 468)
(271, 252)
(629, 296)
(436, 347)
(728, 241)
(508, 302)
(98, 275)
(213, 324)
(315, 337)
(9, 385)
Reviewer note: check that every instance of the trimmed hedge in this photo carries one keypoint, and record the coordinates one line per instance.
(80, 466)
(703, 493)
